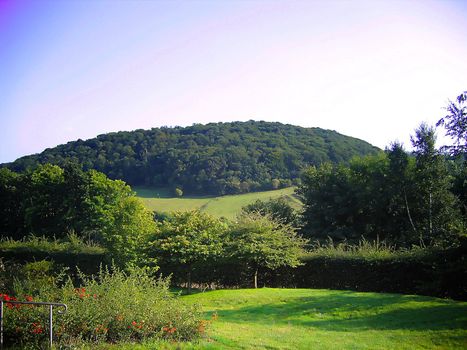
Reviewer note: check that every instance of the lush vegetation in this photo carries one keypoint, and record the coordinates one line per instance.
(221, 252)
(404, 199)
(54, 201)
(217, 159)
(111, 307)
(397, 221)
(228, 206)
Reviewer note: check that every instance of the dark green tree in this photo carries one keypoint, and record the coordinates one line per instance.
(278, 208)
(400, 190)
(43, 201)
(11, 205)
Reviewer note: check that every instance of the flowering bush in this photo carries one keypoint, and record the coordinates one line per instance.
(111, 307)
(23, 324)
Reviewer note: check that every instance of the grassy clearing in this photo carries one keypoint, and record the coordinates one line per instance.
(224, 206)
(323, 319)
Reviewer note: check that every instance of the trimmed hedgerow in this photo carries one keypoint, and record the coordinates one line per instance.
(381, 268)
(71, 252)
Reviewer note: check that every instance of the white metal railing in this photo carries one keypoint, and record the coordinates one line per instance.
(49, 304)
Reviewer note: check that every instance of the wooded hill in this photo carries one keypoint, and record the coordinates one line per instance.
(217, 158)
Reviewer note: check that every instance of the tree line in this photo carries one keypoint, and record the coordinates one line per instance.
(217, 159)
(405, 198)
(53, 202)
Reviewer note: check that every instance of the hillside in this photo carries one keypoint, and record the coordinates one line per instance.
(224, 206)
(217, 158)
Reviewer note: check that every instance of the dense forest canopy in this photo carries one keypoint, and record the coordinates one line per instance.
(217, 158)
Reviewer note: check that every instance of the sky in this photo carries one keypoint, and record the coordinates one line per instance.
(369, 69)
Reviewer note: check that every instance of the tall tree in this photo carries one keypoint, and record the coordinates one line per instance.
(400, 191)
(455, 123)
(43, 200)
(438, 216)
(11, 208)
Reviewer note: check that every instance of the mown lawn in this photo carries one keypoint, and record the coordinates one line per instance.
(322, 319)
(223, 206)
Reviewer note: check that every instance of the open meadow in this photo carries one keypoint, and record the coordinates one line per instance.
(223, 206)
(324, 319)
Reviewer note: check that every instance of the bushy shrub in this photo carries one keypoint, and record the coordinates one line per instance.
(111, 307)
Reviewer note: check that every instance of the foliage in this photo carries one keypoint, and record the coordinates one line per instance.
(455, 123)
(364, 249)
(380, 267)
(129, 227)
(218, 158)
(112, 307)
(189, 239)
(72, 244)
(278, 208)
(257, 241)
(405, 200)
(70, 252)
(438, 215)
(53, 202)
(178, 192)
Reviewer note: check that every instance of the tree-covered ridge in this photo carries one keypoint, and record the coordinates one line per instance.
(217, 158)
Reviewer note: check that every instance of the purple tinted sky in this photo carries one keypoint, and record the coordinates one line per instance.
(369, 69)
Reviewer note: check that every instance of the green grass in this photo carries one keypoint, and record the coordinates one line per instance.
(323, 319)
(224, 206)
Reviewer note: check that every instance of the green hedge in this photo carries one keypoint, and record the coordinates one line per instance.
(440, 273)
(87, 262)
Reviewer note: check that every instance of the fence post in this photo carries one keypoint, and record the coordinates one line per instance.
(50, 324)
(1, 323)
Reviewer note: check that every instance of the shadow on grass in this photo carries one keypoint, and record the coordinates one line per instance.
(348, 311)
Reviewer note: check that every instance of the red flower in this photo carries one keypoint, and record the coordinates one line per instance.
(37, 328)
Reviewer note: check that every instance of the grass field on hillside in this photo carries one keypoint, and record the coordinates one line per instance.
(323, 319)
(226, 206)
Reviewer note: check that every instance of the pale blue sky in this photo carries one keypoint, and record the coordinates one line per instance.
(369, 69)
